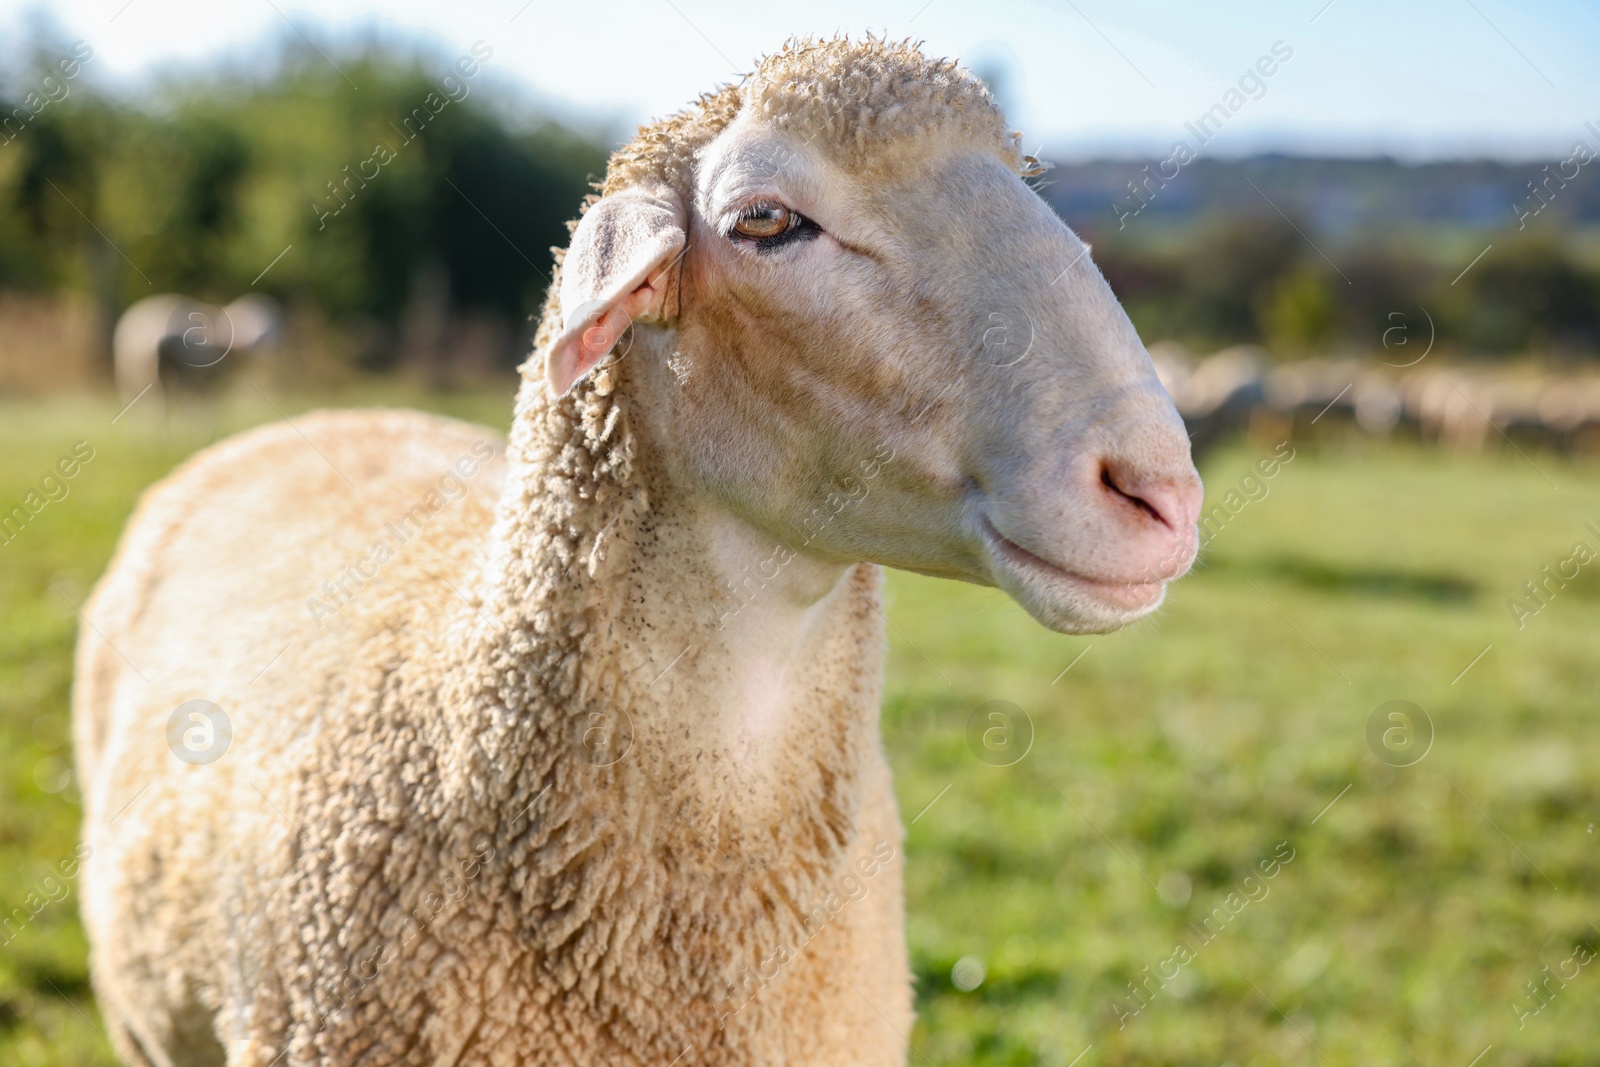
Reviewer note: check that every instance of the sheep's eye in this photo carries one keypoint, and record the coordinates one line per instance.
(769, 226)
(764, 220)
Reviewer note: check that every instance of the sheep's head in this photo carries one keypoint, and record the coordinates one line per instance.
(850, 305)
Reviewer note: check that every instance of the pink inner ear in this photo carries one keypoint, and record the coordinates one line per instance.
(577, 356)
(597, 340)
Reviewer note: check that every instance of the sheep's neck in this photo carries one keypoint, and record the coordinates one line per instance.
(655, 700)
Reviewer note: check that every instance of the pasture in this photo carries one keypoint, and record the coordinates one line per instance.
(1087, 875)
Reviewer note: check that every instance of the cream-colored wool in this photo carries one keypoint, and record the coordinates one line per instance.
(564, 749)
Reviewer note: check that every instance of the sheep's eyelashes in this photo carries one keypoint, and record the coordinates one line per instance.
(768, 226)
(765, 220)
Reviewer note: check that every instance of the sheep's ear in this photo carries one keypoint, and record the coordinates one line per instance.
(617, 269)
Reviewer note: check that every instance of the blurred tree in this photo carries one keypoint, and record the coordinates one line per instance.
(1298, 313)
(56, 194)
(1526, 294)
(1387, 277)
(55, 191)
(412, 193)
(1206, 287)
(208, 160)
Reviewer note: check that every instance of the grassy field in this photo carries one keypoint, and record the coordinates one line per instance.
(1105, 898)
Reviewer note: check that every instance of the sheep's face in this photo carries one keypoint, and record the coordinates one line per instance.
(912, 361)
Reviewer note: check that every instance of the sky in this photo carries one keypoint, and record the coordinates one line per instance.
(1080, 78)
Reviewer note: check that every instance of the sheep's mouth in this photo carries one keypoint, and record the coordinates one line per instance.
(1124, 600)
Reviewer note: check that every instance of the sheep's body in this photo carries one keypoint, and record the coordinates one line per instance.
(168, 341)
(591, 774)
(550, 920)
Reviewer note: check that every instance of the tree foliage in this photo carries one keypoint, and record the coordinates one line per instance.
(218, 183)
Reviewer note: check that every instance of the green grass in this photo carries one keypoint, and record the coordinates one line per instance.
(1178, 754)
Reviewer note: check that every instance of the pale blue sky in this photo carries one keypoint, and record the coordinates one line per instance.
(1083, 77)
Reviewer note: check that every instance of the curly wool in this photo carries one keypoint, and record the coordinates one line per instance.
(846, 97)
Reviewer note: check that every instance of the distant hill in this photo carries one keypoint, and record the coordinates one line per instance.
(1333, 195)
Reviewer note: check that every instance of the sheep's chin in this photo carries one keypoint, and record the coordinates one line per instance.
(1061, 600)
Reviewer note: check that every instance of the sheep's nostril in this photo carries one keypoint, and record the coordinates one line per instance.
(1172, 503)
(1110, 482)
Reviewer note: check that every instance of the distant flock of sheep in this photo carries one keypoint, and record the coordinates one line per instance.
(1464, 408)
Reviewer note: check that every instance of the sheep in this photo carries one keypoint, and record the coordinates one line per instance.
(169, 340)
(1218, 397)
(1376, 403)
(1457, 406)
(1464, 408)
(563, 749)
(1571, 409)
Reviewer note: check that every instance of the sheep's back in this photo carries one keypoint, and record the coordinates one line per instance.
(213, 595)
(296, 540)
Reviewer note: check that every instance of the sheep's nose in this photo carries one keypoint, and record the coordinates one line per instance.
(1171, 502)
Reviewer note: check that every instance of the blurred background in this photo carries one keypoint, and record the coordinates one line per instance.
(1363, 245)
